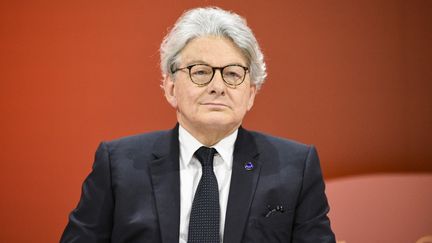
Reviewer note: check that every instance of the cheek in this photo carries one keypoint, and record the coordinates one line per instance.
(185, 98)
(246, 100)
(240, 105)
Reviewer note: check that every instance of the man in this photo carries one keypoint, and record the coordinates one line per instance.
(208, 179)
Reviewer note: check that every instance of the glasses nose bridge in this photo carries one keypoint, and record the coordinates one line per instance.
(214, 72)
(220, 70)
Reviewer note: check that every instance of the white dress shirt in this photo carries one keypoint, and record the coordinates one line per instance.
(190, 175)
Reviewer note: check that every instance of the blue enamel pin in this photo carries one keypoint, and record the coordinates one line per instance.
(248, 166)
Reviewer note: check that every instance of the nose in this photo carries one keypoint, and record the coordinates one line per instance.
(217, 85)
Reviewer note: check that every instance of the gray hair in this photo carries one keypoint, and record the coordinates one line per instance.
(212, 21)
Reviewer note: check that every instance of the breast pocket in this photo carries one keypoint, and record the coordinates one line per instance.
(276, 228)
(277, 221)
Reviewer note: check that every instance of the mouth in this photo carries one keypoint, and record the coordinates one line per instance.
(215, 104)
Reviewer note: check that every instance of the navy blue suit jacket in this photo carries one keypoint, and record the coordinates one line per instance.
(133, 192)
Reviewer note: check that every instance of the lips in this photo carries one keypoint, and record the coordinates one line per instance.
(214, 104)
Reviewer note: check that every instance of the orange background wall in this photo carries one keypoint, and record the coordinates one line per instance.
(352, 77)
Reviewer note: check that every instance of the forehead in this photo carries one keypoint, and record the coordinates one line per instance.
(212, 50)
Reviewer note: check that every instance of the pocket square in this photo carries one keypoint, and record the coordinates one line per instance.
(275, 210)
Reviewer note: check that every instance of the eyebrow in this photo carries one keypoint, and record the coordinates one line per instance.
(199, 61)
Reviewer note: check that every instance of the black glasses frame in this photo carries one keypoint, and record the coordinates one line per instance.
(246, 70)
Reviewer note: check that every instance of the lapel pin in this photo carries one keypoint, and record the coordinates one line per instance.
(248, 166)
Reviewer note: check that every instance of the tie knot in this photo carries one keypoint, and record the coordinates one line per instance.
(205, 155)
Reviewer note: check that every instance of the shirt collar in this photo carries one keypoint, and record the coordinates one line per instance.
(189, 144)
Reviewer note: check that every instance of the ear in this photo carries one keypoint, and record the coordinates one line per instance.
(168, 86)
(253, 91)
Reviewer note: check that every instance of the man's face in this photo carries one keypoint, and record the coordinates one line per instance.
(214, 106)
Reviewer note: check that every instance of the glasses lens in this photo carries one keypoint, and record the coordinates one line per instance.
(233, 75)
(201, 74)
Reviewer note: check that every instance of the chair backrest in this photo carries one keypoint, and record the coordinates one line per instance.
(393, 208)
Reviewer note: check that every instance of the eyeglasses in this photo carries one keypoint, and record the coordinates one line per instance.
(202, 74)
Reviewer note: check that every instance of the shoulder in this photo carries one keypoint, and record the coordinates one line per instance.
(280, 143)
(283, 150)
(141, 141)
(286, 156)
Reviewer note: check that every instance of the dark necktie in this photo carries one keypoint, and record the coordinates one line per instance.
(204, 220)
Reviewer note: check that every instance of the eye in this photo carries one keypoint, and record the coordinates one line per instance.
(232, 74)
(201, 70)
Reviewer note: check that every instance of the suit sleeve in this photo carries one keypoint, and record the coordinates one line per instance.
(311, 222)
(91, 220)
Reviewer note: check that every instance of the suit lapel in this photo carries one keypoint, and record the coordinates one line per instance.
(243, 185)
(166, 185)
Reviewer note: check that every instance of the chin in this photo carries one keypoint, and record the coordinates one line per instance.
(218, 122)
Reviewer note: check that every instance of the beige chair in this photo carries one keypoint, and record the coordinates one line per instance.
(393, 208)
